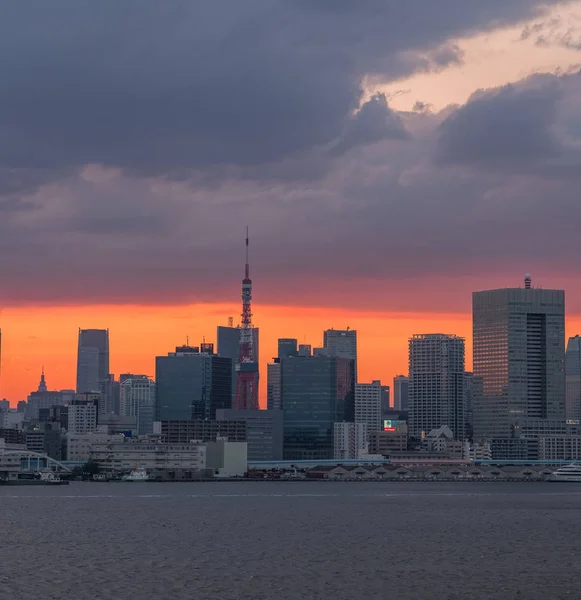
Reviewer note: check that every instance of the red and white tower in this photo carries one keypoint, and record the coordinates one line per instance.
(246, 397)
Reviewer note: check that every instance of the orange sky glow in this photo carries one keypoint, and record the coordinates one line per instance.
(34, 337)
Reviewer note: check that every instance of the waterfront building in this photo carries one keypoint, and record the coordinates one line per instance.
(316, 392)
(392, 438)
(436, 384)
(192, 384)
(519, 352)
(400, 392)
(349, 440)
(264, 431)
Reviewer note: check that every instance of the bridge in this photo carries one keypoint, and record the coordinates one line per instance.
(34, 461)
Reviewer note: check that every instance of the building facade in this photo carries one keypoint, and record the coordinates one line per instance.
(341, 343)
(192, 384)
(519, 352)
(316, 392)
(137, 399)
(178, 432)
(436, 384)
(369, 400)
(82, 415)
(400, 392)
(573, 379)
(349, 440)
(273, 397)
(92, 360)
(263, 431)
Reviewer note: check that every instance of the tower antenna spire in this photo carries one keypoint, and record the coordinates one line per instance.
(246, 396)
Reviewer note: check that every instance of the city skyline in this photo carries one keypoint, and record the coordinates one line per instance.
(52, 342)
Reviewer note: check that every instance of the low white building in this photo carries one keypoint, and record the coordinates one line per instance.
(80, 445)
(125, 454)
(349, 440)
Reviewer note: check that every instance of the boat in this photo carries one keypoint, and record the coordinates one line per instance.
(567, 473)
(136, 475)
(42, 478)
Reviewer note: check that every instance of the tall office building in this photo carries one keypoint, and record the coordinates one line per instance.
(369, 404)
(350, 440)
(573, 379)
(400, 392)
(92, 360)
(137, 399)
(519, 352)
(192, 384)
(343, 343)
(229, 347)
(316, 392)
(436, 384)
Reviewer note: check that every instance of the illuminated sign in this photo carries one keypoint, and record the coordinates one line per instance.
(390, 425)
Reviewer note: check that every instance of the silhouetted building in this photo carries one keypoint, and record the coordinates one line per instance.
(317, 392)
(401, 392)
(287, 347)
(192, 385)
(342, 343)
(519, 352)
(273, 397)
(39, 400)
(436, 384)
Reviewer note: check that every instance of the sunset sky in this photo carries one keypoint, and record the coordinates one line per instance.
(389, 158)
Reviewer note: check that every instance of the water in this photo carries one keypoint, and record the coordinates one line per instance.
(265, 540)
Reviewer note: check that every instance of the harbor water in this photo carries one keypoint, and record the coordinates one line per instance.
(273, 540)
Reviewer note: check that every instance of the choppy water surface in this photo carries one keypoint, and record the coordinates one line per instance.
(259, 540)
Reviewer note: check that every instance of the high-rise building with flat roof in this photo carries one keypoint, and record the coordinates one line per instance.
(287, 347)
(519, 353)
(192, 384)
(273, 397)
(342, 343)
(92, 360)
(436, 384)
(317, 392)
(400, 392)
(369, 400)
(573, 378)
(137, 399)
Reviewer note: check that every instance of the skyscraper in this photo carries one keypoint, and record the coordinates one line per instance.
(436, 384)
(317, 392)
(343, 343)
(400, 392)
(192, 384)
(92, 360)
(519, 352)
(573, 378)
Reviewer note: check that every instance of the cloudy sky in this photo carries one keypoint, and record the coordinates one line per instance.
(389, 157)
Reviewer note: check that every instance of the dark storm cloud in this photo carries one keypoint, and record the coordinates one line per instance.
(159, 86)
(199, 118)
(374, 122)
(504, 127)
